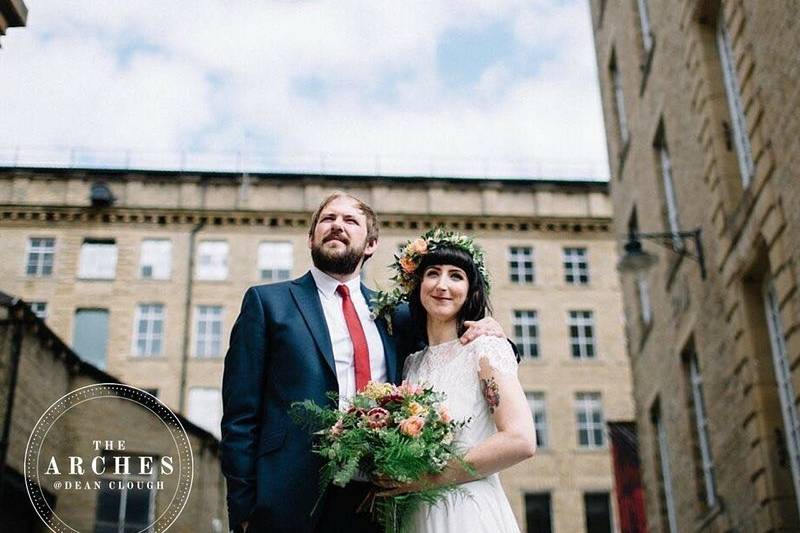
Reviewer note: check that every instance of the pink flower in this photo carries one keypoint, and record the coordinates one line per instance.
(444, 414)
(412, 426)
(337, 429)
(377, 418)
(408, 389)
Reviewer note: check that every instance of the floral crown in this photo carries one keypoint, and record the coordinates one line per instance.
(405, 267)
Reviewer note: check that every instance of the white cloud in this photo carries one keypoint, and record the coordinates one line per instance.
(179, 75)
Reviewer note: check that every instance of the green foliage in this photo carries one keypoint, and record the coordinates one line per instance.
(400, 433)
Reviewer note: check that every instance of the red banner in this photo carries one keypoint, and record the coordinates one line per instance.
(627, 477)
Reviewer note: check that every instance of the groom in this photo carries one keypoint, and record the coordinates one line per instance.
(299, 340)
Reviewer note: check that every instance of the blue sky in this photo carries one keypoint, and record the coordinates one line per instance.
(443, 88)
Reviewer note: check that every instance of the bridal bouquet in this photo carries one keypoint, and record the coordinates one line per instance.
(388, 432)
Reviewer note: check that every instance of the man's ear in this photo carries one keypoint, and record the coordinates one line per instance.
(308, 241)
(369, 250)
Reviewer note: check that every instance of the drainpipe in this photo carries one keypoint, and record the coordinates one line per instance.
(16, 353)
(187, 313)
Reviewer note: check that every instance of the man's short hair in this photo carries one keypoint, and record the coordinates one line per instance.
(372, 218)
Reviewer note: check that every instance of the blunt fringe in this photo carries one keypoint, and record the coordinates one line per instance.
(477, 304)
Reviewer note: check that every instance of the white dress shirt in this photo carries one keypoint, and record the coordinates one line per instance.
(340, 335)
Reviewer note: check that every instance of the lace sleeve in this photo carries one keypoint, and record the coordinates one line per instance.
(497, 352)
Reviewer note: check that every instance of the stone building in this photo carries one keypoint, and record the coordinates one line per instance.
(700, 101)
(143, 272)
(36, 369)
(13, 13)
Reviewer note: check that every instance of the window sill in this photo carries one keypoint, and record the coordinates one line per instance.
(155, 358)
(215, 359)
(95, 279)
(598, 450)
(646, 66)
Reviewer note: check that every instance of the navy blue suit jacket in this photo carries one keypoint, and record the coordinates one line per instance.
(280, 352)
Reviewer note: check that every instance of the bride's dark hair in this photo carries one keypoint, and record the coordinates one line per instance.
(476, 306)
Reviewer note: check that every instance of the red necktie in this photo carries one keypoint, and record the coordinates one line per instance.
(357, 337)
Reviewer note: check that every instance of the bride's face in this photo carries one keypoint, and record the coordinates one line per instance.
(443, 291)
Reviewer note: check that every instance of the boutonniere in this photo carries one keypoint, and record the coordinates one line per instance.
(383, 304)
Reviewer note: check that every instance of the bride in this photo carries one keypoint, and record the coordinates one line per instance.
(444, 278)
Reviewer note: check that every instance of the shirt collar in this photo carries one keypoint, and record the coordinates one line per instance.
(327, 284)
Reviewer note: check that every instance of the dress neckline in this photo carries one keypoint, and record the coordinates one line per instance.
(437, 349)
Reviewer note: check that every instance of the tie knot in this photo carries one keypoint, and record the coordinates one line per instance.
(343, 291)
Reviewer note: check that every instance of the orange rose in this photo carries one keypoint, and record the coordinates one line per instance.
(408, 265)
(419, 246)
(416, 409)
(444, 414)
(412, 426)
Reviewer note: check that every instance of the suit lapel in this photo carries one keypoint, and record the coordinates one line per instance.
(304, 292)
(389, 348)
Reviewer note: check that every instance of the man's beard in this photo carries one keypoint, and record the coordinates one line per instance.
(338, 263)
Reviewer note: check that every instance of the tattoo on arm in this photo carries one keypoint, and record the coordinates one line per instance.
(491, 393)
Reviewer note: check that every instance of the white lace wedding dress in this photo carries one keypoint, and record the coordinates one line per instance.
(453, 369)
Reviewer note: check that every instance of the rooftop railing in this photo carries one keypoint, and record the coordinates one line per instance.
(319, 163)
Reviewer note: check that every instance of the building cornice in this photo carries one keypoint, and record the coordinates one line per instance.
(31, 215)
(299, 179)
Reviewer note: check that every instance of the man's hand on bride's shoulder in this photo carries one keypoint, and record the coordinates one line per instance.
(485, 326)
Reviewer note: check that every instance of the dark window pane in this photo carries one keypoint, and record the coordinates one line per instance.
(537, 513)
(598, 512)
(137, 508)
(108, 504)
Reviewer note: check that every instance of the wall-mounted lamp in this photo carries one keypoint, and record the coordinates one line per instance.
(637, 260)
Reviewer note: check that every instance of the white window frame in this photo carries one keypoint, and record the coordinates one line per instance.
(98, 259)
(521, 263)
(589, 404)
(207, 345)
(576, 264)
(203, 420)
(44, 248)
(538, 406)
(741, 139)
(275, 260)
(216, 269)
(669, 191)
(123, 493)
(783, 376)
(644, 22)
(666, 471)
(150, 314)
(528, 342)
(155, 254)
(39, 309)
(582, 319)
(619, 102)
(643, 292)
(701, 421)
